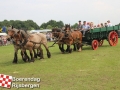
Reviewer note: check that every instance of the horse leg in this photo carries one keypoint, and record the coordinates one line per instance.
(80, 47)
(63, 48)
(23, 57)
(69, 49)
(28, 58)
(15, 55)
(60, 48)
(80, 44)
(41, 52)
(31, 54)
(74, 45)
(35, 54)
(48, 52)
(15, 58)
(38, 53)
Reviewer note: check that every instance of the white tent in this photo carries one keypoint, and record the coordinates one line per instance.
(3, 34)
(40, 31)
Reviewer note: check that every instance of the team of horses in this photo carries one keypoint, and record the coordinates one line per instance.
(32, 42)
(68, 37)
(25, 41)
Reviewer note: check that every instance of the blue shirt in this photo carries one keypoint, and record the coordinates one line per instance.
(85, 27)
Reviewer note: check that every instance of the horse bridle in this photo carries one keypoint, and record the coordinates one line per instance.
(22, 43)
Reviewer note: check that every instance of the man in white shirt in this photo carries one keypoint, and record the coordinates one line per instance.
(109, 24)
(85, 27)
(79, 27)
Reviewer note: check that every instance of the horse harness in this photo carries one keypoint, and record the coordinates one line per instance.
(26, 40)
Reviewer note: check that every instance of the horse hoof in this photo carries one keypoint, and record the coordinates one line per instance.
(41, 58)
(35, 56)
(49, 56)
(66, 50)
(14, 62)
(62, 52)
(31, 61)
(79, 50)
(27, 60)
(74, 50)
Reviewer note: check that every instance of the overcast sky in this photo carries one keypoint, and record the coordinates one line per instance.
(68, 11)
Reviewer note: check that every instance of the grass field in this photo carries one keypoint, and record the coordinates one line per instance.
(86, 70)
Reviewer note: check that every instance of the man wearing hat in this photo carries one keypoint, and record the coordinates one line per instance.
(79, 27)
(109, 24)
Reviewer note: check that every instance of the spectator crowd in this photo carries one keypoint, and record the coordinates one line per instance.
(3, 41)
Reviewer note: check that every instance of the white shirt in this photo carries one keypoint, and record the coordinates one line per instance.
(109, 24)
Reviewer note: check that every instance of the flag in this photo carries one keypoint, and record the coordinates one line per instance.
(0, 30)
(5, 81)
(4, 29)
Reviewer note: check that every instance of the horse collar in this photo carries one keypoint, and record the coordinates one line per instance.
(24, 43)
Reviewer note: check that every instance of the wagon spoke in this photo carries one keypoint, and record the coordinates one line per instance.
(94, 44)
(113, 38)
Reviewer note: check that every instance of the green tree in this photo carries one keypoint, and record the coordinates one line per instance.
(49, 27)
(60, 24)
(74, 26)
(53, 24)
(25, 25)
(44, 25)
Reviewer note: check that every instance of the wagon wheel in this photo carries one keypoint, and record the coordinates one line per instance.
(94, 44)
(100, 42)
(113, 38)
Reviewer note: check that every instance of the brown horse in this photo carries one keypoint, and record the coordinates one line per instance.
(25, 57)
(73, 37)
(58, 35)
(32, 41)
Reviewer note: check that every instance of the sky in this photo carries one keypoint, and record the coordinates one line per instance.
(68, 11)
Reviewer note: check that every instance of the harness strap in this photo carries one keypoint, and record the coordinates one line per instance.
(25, 41)
(34, 45)
(35, 42)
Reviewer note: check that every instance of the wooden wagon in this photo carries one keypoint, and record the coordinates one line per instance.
(96, 36)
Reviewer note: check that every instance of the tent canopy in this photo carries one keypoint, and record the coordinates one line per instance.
(3, 34)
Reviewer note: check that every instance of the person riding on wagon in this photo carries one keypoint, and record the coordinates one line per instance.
(109, 23)
(79, 27)
(85, 27)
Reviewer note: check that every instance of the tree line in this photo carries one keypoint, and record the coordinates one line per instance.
(31, 25)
